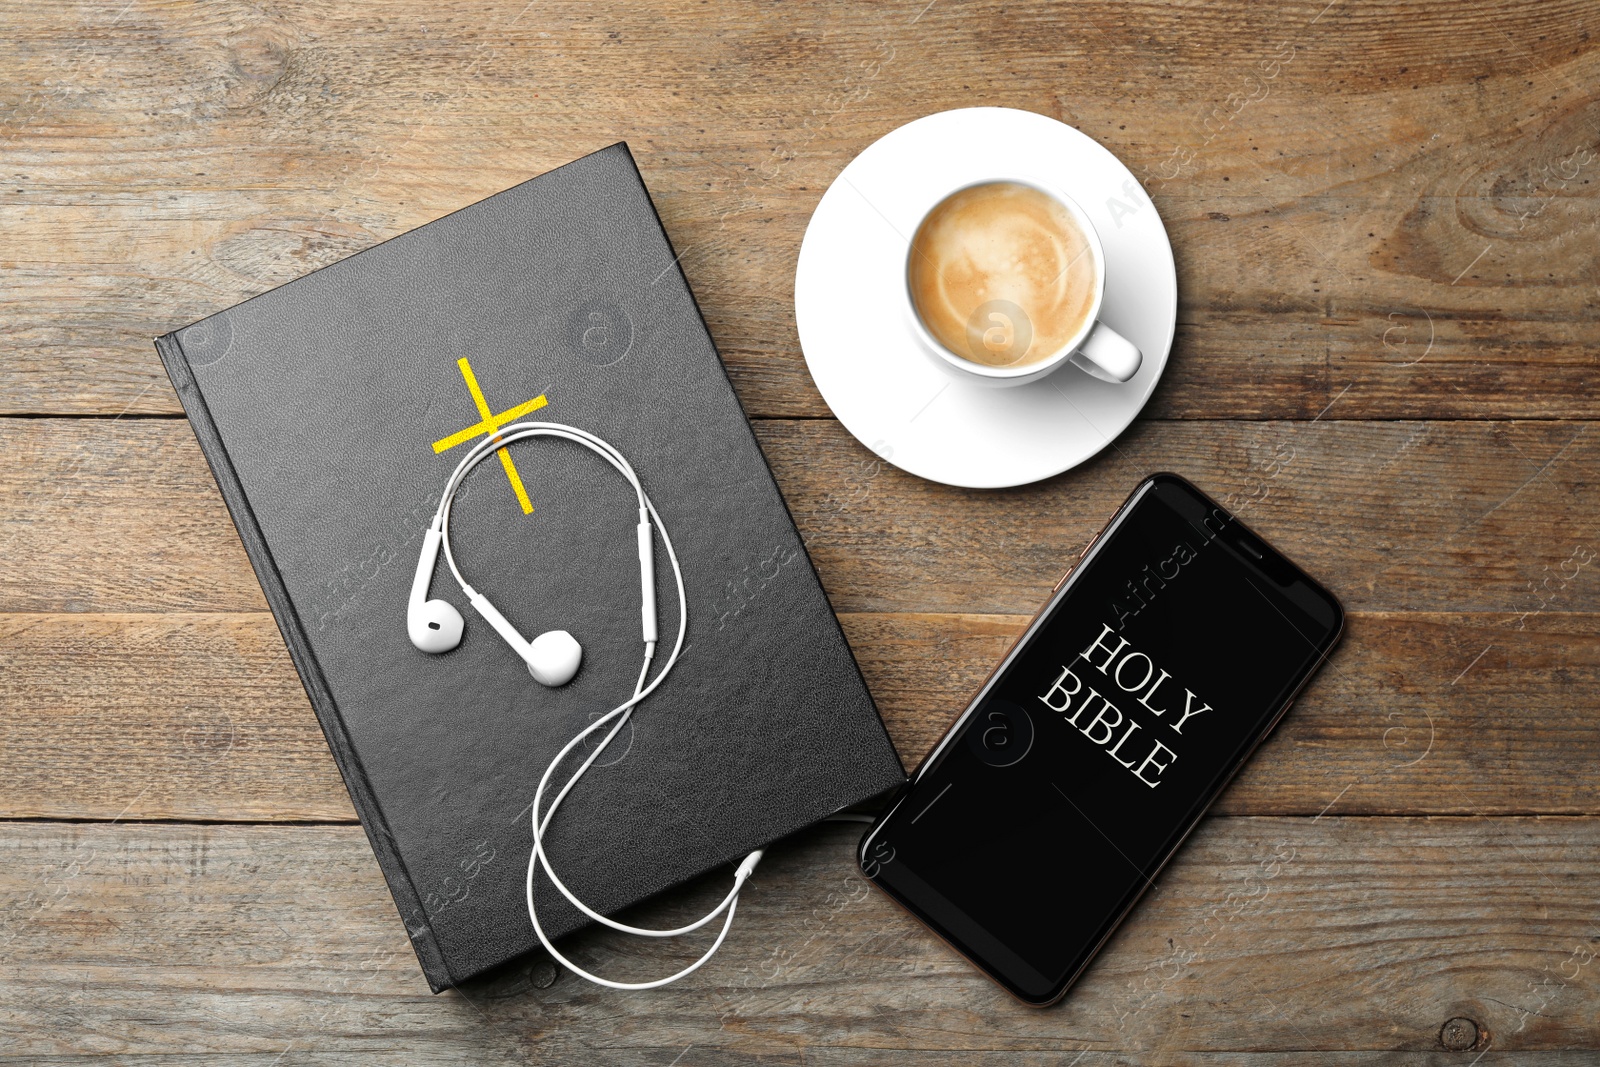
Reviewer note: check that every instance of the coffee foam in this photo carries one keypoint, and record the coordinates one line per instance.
(1002, 274)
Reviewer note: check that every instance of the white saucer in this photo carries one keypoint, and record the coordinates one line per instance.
(875, 376)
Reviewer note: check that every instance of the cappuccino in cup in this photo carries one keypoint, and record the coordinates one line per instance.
(1005, 279)
(1002, 274)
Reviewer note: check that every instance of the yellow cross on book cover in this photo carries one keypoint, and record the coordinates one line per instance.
(487, 424)
(332, 410)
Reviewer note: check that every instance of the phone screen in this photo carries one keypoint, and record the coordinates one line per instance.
(1114, 722)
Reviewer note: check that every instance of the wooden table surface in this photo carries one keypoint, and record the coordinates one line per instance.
(1385, 219)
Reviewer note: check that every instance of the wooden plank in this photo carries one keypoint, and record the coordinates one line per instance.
(1391, 516)
(160, 716)
(1265, 938)
(1416, 712)
(1480, 517)
(102, 491)
(201, 716)
(1410, 227)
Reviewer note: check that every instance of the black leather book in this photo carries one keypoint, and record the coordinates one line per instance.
(331, 411)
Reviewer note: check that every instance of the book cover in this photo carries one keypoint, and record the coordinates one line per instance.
(331, 411)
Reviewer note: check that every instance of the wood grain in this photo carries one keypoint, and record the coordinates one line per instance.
(1416, 225)
(1265, 937)
(201, 716)
(1482, 517)
(1384, 216)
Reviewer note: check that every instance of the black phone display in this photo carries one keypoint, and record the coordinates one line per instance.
(1083, 762)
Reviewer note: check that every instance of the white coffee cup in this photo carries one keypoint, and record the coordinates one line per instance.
(1095, 348)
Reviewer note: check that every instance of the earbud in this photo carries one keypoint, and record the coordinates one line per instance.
(433, 625)
(554, 657)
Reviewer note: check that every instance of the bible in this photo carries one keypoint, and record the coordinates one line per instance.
(332, 409)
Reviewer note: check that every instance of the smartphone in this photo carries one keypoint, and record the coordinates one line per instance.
(1159, 663)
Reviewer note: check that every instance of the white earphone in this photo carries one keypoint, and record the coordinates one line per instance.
(553, 658)
(435, 625)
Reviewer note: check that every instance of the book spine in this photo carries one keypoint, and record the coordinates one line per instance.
(401, 886)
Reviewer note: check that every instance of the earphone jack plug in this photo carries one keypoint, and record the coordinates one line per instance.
(748, 867)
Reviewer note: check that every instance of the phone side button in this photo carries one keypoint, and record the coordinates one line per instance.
(1063, 579)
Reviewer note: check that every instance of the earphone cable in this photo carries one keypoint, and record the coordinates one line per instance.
(623, 711)
(621, 714)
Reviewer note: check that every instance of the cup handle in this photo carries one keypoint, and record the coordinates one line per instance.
(1108, 355)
